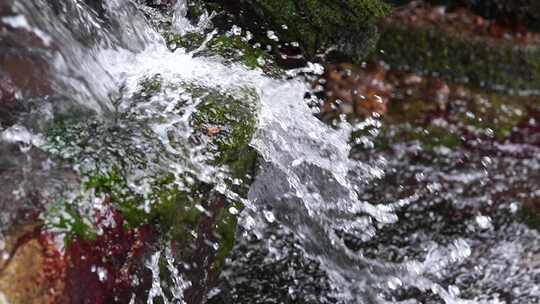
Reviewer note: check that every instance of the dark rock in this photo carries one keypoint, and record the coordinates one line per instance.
(103, 270)
(253, 272)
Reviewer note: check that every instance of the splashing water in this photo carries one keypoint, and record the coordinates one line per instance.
(307, 188)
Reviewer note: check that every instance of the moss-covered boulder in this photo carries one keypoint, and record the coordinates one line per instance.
(230, 47)
(481, 61)
(313, 26)
(161, 180)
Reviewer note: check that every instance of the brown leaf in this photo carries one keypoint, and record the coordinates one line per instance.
(213, 131)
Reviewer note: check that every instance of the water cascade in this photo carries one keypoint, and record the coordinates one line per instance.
(107, 115)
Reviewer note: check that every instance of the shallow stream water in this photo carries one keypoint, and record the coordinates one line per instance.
(325, 221)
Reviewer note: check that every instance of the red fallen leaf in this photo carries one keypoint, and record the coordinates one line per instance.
(101, 270)
(478, 21)
(98, 271)
(372, 104)
(213, 131)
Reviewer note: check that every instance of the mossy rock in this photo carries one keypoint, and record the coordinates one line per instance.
(187, 181)
(469, 114)
(499, 113)
(230, 47)
(315, 25)
(410, 110)
(431, 50)
(19, 273)
(479, 109)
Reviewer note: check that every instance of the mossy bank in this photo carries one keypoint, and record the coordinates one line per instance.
(431, 50)
(310, 26)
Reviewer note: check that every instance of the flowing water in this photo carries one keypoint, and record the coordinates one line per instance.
(324, 221)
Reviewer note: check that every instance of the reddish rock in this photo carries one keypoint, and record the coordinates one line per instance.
(363, 92)
(350, 90)
(21, 279)
(87, 271)
(103, 270)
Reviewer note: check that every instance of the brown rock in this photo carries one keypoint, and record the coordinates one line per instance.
(22, 280)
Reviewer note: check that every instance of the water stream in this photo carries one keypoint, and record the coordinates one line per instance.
(330, 223)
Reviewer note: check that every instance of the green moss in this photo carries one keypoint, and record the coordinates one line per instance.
(430, 137)
(434, 136)
(177, 213)
(315, 24)
(112, 184)
(232, 48)
(226, 231)
(427, 49)
(196, 8)
(497, 112)
(150, 85)
(414, 109)
(235, 120)
(312, 26)
(62, 216)
(189, 41)
(530, 213)
(235, 48)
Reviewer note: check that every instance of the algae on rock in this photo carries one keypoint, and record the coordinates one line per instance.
(230, 47)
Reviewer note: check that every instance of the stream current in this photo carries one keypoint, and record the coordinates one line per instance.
(324, 221)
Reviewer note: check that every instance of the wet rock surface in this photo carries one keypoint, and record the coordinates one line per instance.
(284, 275)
